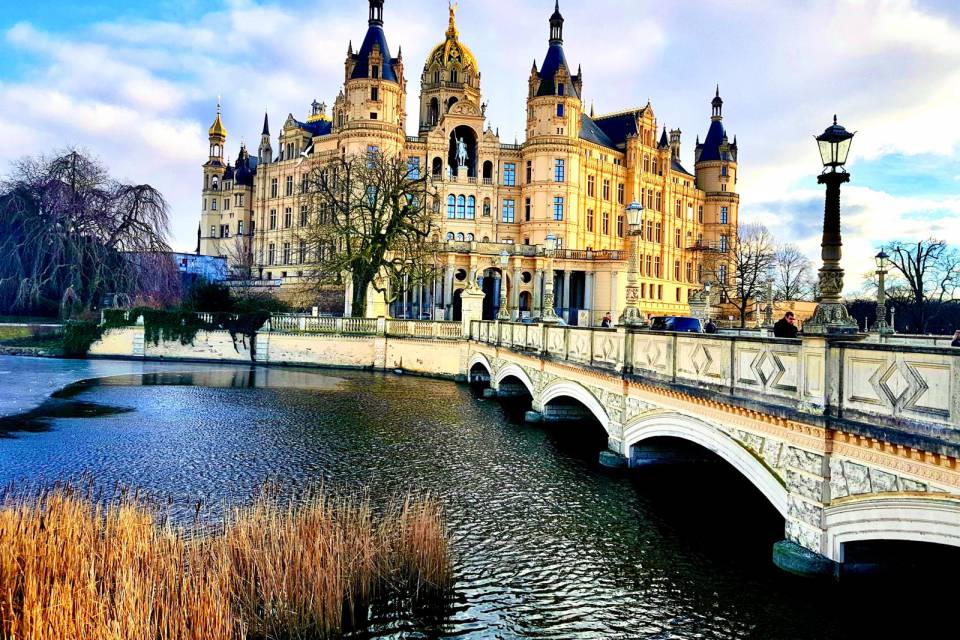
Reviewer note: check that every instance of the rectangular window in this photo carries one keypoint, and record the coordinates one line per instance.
(303, 251)
(375, 71)
(289, 185)
(656, 266)
(658, 237)
(373, 115)
(527, 210)
(559, 171)
(304, 183)
(650, 230)
(286, 253)
(471, 208)
(605, 223)
(676, 238)
(689, 272)
(213, 204)
(649, 266)
(287, 218)
(509, 211)
(649, 198)
(606, 190)
(620, 226)
(529, 171)
(226, 204)
(659, 201)
(723, 244)
(589, 219)
(204, 204)
(239, 227)
(621, 196)
(560, 110)
(591, 186)
(510, 174)
(451, 207)
(303, 216)
(676, 270)
(560, 88)
(413, 167)
(678, 208)
(558, 209)
(213, 231)
(273, 219)
(724, 215)
(689, 212)
(375, 94)
(271, 254)
(678, 294)
(700, 214)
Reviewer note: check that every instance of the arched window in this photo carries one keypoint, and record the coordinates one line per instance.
(215, 183)
(437, 167)
(461, 208)
(486, 239)
(459, 237)
(450, 237)
(451, 207)
(470, 237)
(450, 103)
(433, 112)
(471, 208)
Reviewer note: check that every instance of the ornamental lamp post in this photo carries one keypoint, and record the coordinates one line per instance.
(631, 313)
(768, 294)
(883, 263)
(831, 316)
(549, 248)
(504, 312)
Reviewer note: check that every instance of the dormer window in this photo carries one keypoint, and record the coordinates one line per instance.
(560, 110)
(561, 89)
(375, 72)
(436, 77)
(453, 75)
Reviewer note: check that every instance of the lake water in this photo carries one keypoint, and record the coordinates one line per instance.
(546, 543)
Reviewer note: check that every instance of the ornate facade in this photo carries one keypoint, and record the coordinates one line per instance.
(572, 178)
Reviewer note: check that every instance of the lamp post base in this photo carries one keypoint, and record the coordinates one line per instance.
(831, 319)
(504, 313)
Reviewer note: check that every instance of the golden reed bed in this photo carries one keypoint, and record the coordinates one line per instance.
(71, 568)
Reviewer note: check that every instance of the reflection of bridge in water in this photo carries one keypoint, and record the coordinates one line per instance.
(849, 441)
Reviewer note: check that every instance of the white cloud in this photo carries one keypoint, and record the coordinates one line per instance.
(141, 94)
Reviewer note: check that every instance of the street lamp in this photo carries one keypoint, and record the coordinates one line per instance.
(831, 316)
(549, 247)
(631, 313)
(504, 313)
(881, 325)
(768, 294)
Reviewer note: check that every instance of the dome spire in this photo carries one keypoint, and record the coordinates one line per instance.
(452, 26)
(217, 130)
(717, 104)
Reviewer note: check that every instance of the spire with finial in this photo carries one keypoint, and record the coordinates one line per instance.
(266, 124)
(452, 24)
(556, 25)
(717, 104)
(591, 109)
(217, 130)
(350, 48)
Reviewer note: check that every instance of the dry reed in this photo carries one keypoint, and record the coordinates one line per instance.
(72, 567)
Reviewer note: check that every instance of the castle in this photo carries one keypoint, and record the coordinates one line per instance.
(571, 178)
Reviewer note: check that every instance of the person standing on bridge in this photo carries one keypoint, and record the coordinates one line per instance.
(956, 340)
(607, 321)
(786, 327)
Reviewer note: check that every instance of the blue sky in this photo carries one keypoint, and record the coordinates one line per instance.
(137, 84)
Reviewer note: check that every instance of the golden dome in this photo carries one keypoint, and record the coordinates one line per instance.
(217, 128)
(451, 50)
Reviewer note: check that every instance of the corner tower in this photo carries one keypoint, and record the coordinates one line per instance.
(553, 102)
(716, 175)
(450, 75)
(213, 172)
(374, 91)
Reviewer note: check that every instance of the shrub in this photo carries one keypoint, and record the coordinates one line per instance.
(78, 336)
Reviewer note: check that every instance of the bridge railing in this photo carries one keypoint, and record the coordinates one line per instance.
(436, 330)
(904, 387)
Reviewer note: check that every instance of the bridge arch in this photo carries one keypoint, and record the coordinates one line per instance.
(892, 517)
(567, 389)
(516, 372)
(480, 359)
(676, 425)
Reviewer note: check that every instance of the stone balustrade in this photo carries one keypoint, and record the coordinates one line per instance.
(901, 393)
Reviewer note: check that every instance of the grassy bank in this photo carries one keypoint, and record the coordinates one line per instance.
(71, 568)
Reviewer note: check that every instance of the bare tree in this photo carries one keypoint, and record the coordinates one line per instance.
(793, 273)
(739, 273)
(371, 218)
(65, 225)
(239, 254)
(929, 271)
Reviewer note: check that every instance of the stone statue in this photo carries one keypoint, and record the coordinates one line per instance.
(461, 153)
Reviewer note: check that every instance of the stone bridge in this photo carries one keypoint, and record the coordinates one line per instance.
(848, 440)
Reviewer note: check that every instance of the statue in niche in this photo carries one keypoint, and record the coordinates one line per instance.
(461, 153)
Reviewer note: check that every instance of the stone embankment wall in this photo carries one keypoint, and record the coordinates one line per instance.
(444, 358)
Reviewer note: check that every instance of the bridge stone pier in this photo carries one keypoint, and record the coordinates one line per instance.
(848, 440)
